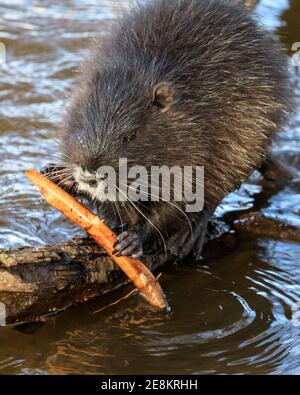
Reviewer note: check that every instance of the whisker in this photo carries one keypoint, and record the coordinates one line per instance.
(146, 218)
(167, 202)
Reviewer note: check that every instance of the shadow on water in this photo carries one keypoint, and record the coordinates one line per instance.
(237, 312)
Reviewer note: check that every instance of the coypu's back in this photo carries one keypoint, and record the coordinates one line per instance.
(228, 91)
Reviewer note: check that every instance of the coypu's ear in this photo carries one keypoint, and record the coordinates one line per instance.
(163, 96)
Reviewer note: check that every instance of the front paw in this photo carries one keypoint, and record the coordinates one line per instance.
(128, 243)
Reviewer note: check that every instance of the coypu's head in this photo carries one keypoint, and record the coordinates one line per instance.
(122, 111)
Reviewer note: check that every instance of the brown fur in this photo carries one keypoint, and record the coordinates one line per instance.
(225, 93)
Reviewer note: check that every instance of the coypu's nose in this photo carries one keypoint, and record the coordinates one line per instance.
(88, 179)
(92, 182)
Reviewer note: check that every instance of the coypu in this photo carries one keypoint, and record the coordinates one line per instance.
(182, 82)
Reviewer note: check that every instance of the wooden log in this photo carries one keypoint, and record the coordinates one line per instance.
(258, 225)
(38, 281)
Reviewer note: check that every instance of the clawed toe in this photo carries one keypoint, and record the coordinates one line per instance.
(128, 244)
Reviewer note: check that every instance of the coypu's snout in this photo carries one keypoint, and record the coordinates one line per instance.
(92, 183)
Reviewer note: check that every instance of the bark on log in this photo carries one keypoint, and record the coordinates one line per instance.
(258, 225)
(35, 282)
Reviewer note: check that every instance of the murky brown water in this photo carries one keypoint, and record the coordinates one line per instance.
(233, 314)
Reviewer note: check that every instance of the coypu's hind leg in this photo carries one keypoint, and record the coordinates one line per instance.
(273, 170)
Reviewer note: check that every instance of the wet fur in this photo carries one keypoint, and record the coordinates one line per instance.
(229, 96)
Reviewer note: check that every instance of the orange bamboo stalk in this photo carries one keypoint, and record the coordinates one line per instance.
(135, 270)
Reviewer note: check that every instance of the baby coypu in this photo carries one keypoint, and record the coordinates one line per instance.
(175, 83)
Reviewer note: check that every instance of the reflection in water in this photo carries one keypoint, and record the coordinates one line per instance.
(238, 312)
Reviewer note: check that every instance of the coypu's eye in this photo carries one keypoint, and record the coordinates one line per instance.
(163, 96)
(129, 137)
